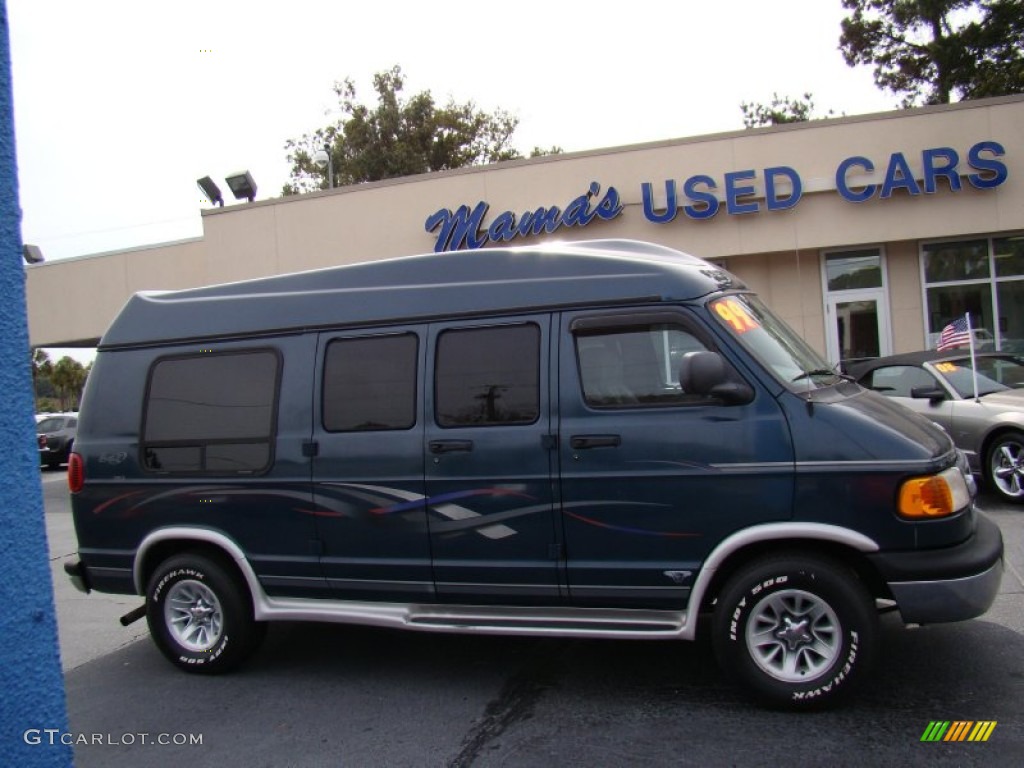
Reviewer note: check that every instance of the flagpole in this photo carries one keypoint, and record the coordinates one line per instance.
(974, 365)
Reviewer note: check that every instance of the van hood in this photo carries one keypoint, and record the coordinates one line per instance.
(848, 423)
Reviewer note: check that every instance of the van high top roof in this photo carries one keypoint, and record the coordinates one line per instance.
(420, 288)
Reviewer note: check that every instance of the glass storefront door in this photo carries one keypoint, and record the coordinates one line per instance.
(856, 307)
(857, 326)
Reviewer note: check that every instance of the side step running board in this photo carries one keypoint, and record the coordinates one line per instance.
(476, 619)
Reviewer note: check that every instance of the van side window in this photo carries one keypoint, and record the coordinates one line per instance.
(370, 383)
(211, 413)
(488, 376)
(635, 366)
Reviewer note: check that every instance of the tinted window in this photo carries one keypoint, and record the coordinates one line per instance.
(211, 413)
(635, 366)
(899, 380)
(488, 376)
(370, 383)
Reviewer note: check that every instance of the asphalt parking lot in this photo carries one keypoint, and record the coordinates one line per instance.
(333, 695)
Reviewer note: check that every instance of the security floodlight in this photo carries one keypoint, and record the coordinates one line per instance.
(211, 190)
(323, 159)
(33, 254)
(242, 186)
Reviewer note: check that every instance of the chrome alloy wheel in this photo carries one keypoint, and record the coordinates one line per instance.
(1007, 468)
(793, 635)
(193, 615)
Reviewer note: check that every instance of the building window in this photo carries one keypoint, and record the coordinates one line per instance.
(983, 277)
(211, 413)
(488, 376)
(370, 383)
(853, 270)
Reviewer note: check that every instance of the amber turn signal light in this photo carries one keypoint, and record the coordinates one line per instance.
(924, 498)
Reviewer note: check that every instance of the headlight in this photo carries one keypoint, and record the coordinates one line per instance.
(924, 498)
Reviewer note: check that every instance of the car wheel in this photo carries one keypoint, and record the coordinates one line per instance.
(1005, 466)
(200, 615)
(799, 631)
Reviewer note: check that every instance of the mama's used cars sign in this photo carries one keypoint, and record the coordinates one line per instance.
(701, 196)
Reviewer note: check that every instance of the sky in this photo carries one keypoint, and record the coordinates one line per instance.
(121, 105)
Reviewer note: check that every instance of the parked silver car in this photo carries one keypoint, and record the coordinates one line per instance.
(987, 423)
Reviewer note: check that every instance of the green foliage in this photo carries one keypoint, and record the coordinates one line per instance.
(932, 51)
(782, 109)
(57, 386)
(399, 137)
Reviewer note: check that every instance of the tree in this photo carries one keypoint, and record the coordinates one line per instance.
(68, 378)
(399, 137)
(41, 365)
(932, 51)
(781, 110)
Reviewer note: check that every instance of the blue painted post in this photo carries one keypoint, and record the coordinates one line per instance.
(32, 711)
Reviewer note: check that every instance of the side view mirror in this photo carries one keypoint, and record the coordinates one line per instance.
(931, 393)
(706, 373)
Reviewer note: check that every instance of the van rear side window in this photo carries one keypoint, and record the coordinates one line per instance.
(370, 383)
(211, 413)
(488, 376)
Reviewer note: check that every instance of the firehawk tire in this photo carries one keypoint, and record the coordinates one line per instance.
(800, 631)
(200, 616)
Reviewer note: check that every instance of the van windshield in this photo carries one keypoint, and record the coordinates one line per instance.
(772, 342)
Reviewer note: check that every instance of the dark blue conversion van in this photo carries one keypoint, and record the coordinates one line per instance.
(608, 439)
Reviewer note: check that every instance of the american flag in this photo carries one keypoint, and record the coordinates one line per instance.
(956, 334)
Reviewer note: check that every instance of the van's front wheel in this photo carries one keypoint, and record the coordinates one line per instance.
(199, 616)
(799, 630)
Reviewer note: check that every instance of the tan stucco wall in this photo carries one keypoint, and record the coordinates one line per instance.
(778, 252)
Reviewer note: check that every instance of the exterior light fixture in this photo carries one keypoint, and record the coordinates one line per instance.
(32, 254)
(211, 190)
(242, 185)
(323, 158)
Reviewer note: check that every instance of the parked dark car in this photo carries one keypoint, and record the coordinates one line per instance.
(988, 426)
(56, 436)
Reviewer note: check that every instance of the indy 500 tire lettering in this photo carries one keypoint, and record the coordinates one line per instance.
(799, 630)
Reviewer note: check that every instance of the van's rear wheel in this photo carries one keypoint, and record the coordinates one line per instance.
(800, 631)
(200, 615)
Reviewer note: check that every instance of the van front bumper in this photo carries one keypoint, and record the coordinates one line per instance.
(950, 584)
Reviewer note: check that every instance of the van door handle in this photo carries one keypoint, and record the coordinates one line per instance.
(450, 446)
(595, 441)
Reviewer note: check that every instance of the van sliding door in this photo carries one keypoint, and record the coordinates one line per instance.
(368, 465)
(488, 452)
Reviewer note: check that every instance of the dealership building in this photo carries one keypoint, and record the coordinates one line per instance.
(867, 234)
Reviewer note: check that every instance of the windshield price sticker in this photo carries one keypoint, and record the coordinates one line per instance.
(946, 367)
(736, 315)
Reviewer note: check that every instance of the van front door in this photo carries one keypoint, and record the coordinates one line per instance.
(488, 455)
(652, 477)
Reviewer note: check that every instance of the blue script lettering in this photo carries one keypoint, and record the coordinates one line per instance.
(464, 227)
(459, 229)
